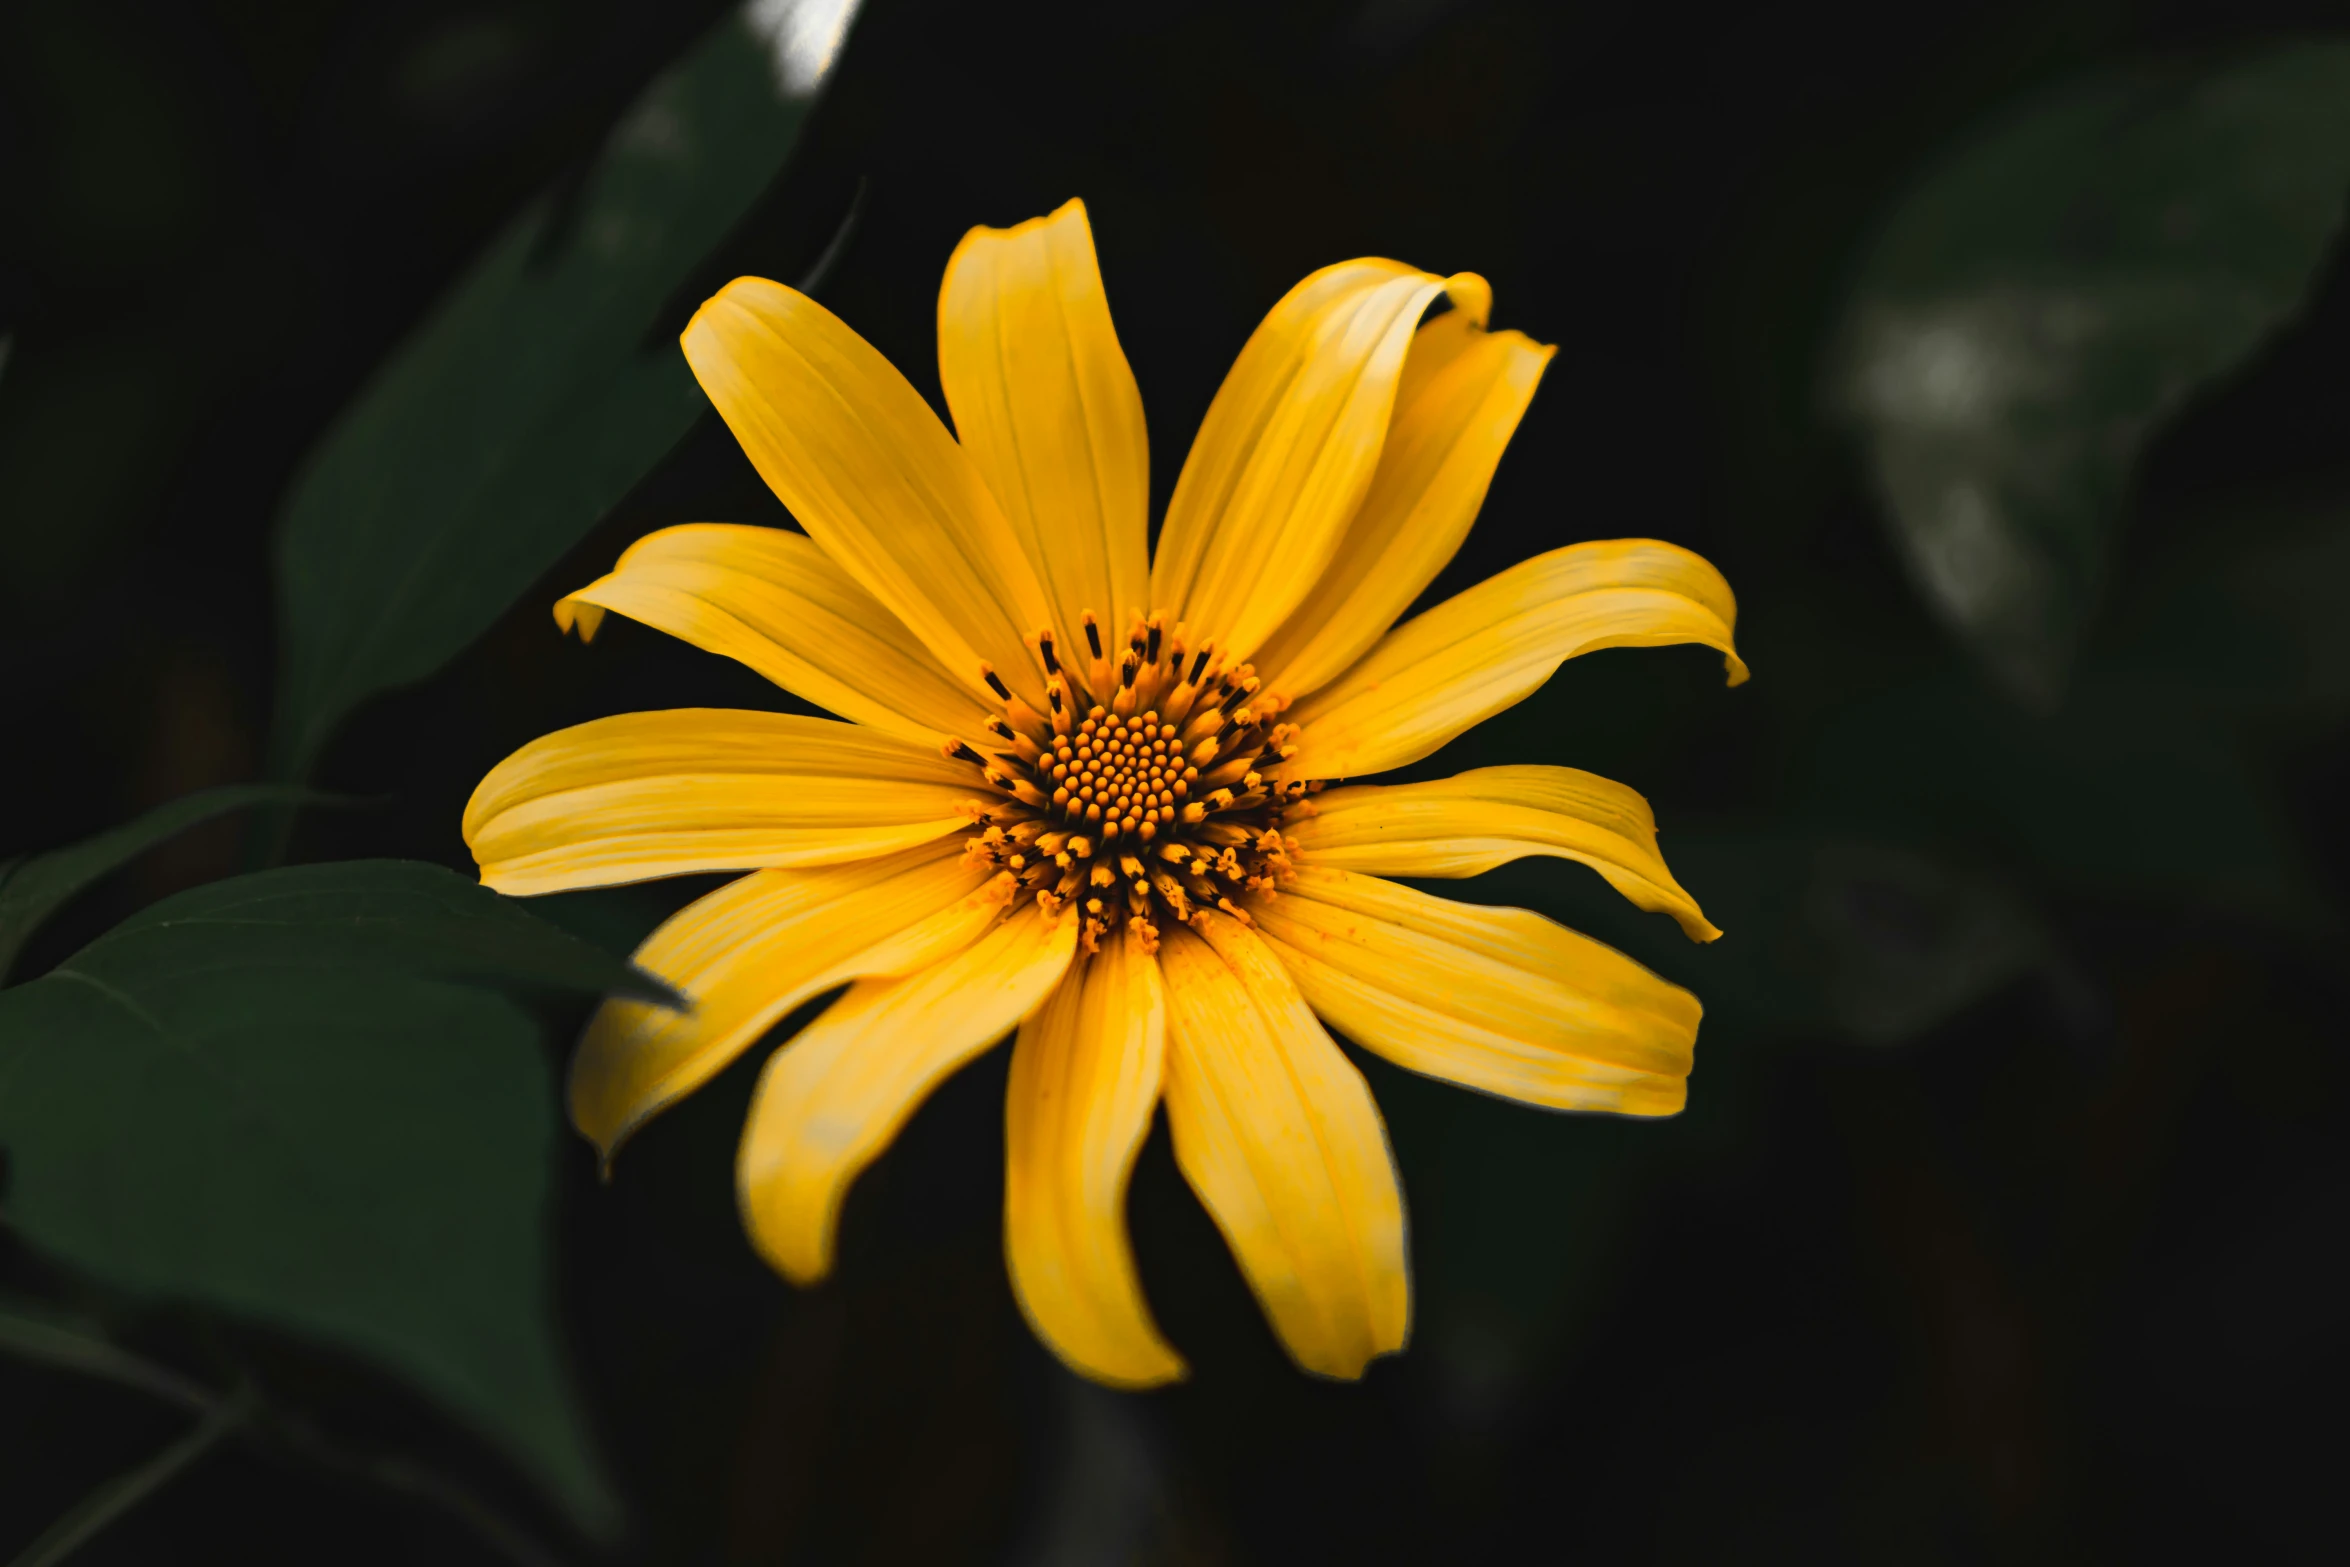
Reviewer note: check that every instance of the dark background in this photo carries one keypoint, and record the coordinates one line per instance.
(2046, 1273)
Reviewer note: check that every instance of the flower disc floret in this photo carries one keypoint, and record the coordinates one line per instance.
(1139, 796)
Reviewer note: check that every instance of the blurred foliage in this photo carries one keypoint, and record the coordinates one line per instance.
(534, 396)
(2041, 301)
(302, 1096)
(1996, 1227)
(35, 886)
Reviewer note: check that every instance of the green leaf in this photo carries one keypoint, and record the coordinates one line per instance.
(397, 915)
(36, 886)
(2044, 299)
(536, 394)
(304, 1097)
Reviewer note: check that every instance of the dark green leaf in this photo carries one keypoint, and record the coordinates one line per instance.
(2043, 300)
(415, 919)
(290, 1096)
(38, 885)
(528, 403)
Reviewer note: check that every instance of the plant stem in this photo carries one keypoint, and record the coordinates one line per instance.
(127, 1490)
(41, 1337)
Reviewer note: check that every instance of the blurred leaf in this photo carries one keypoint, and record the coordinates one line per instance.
(2249, 618)
(35, 886)
(1875, 941)
(526, 405)
(2130, 792)
(2040, 302)
(296, 1096)
(1514, 1211)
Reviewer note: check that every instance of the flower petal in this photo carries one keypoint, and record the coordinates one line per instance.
(773, 600)
(848, 444)
(1495, 644)
(831, 1099)
(1501, 1000)
(644, 795)
(1289, 446)
(756, 948)
(1085, 1079)
(1469, 823)
(1277, 1132)
(1047, 409)
(1462, 394)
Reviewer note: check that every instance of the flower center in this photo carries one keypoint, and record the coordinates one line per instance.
(1140, 795)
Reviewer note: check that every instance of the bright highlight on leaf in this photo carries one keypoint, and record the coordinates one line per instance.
(1081, 792)
(2041, 304)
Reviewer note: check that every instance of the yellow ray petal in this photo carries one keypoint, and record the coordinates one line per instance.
(705, 789)
(1501, 1000)
(1469, 823)
(1276, 1131)
(1085, 1078)
(1289, 446)
(1495, 644)
(831, 1099)
(753, 950)
(868, 470)
(1047, 408)
(774, 601)
(1462, 394)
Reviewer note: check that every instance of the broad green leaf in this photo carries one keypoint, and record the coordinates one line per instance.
(36, 886)
(541, 389)
(2045, 298)
(396, 915)
(305, 1097)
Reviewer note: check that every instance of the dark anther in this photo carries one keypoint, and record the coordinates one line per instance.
(1198, 664)
(1152, 656)
(1093, 638)
(964, 753)
(995, 683)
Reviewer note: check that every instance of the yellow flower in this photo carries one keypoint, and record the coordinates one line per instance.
(1081, 790)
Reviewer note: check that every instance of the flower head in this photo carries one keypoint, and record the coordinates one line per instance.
(1086, 793)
